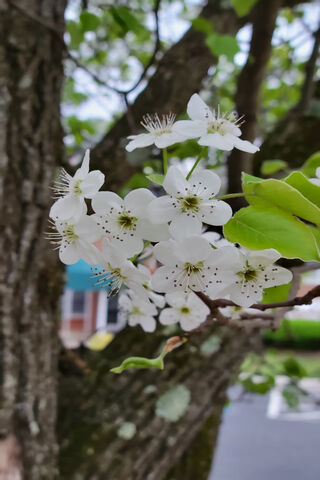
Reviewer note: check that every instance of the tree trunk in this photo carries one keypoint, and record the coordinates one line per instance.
(95, 404)
(30, 282)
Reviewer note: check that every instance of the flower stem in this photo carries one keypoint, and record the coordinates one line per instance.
(165, 160)
(201, 154)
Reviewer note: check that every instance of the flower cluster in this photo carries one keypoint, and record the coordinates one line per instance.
(172, 227)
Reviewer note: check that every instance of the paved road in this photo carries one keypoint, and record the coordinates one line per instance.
(253, 447)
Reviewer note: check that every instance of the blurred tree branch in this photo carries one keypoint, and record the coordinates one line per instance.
(249, 84)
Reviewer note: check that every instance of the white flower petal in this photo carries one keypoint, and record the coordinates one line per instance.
(87, 229)
(184, 225)
(128, 245)
(83, 171)
(245, 146)
(92, 183)
(246, 295)
(70, 206)
(190, 128)
(205, 183)
(137, 201)
(140, 141)
(168, 316)
(175, 183)
(157, 299)
(262, 258)
(164, 252)
(148, 323)
(189, 322)
(192, 249)
(103, 201)
(197, 109)
(223, 142)
(273, 276)
(87, 252)
(167, 139)
(68, 253)
(161, 210)
(215, 212)
(151, 231)
(162, 279)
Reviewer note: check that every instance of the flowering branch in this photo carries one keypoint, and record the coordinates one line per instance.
(304, 300)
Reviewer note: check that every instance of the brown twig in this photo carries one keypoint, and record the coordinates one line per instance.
(304, 300)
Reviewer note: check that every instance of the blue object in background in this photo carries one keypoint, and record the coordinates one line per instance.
(80, 277)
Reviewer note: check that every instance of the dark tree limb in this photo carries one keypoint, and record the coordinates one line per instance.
(248, 89)
(167, 90)
(308, 86)
(262, 320)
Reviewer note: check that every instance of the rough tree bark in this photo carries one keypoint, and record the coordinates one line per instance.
(30, 284)
(95, 403)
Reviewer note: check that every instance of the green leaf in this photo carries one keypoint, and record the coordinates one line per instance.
(222, 45)
(246, 178)
(276, 294)
(293, 368)
(156, 178)
(305, 187)
(202, 25)
(139, 362)
(129, 22)
(89, 21)
(269, 167)
(310, 166)
(76, 34)
(242, 7)
(280, 194)
(258, 383)
(259, 227)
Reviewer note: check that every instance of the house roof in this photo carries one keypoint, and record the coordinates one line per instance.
(80, 277)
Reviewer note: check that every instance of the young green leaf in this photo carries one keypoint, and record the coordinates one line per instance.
(259, 227)
(242, 7)
(139, 362)
(270, 167)
(308, 189)
(310, 166)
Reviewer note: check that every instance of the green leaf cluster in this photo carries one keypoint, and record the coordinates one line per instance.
(283, 214)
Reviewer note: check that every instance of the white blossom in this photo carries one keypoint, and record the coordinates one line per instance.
(235, 313)
(74, 239)
(115, 270)
(216, 239)
(192, 264)
(186, 309)
(125, 221)
(156, 298)
(214, 129)
(74, 190)
(189, 203)
(316, 181)
(160, 133)
(137, 311)
(256, 271)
